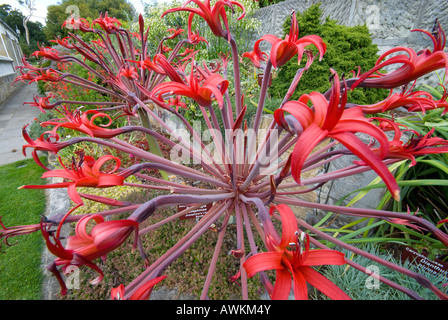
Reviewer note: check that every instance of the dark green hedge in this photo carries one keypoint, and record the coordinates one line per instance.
(347, 48)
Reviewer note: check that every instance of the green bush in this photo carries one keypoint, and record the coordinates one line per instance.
(347, 48)
(265, 3)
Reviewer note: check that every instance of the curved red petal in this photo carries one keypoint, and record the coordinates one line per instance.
(282, 286)
(262, 262)
(324, 285)
(322, 257)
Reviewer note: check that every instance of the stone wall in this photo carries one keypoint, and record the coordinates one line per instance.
(6, 86)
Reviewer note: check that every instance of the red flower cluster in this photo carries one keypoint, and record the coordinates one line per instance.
(129, 83)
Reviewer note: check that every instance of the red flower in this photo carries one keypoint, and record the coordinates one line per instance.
(83, 248)
(411, 100)
(6, 233)
(256, 57)
(104, 237)
(283, 50)
(38, 75)
(175, 32)
(42, 103)
(108, 24)
(141, 293)
(291, 260)
(213, 87)
(80, 122)
(414, 65)
(195, 38)
(418, 145)
(128, 72)
(85, 173)
(330, 119)
(160, 65)
(406, 222)
(214, 16)
(47, 53)
(43, 143)
(63, 42)
(77, 24)
(175, 102)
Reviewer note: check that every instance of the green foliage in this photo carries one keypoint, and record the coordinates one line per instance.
(243, 30)
(359, 286)
(20, 264)
(88, 9)
(428, 199)
(265, 3)
(347, 48)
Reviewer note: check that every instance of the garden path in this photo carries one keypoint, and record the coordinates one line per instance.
(13, 116)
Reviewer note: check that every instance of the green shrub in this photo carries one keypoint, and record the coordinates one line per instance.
(347, 48)
(265, 3)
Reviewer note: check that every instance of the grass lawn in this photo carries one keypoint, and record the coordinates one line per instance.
(20, 264)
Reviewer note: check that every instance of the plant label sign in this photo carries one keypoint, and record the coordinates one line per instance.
(435, 267)
(194, 214)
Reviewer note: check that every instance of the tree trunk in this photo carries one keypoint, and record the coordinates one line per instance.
(27, 33)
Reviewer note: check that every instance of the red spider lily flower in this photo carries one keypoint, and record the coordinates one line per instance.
(49, 75)
(137, 35)
(411, 100)
(175, 32)
(175, 102)
(283, 50)
(418, 145)
(330, 119)
(291, 260)
(29, 76)
(63, 42)
(43, 143)
(165, 49)
(186, 52)
(256, 57)
(42, 75)
(77, 24)
(213, 87)
(42, 103)
(104, 237)
(80, 122)
(47, 53)
(6, 233)
(27, 65)
(141, 293)
(406, 222)
(415, 65)
(84, 247)
(85, 173)
(160, 65)
(213, 16)
(149, 64)
(108, 24)
(128, 72)
(195, 38)
(100, 43)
